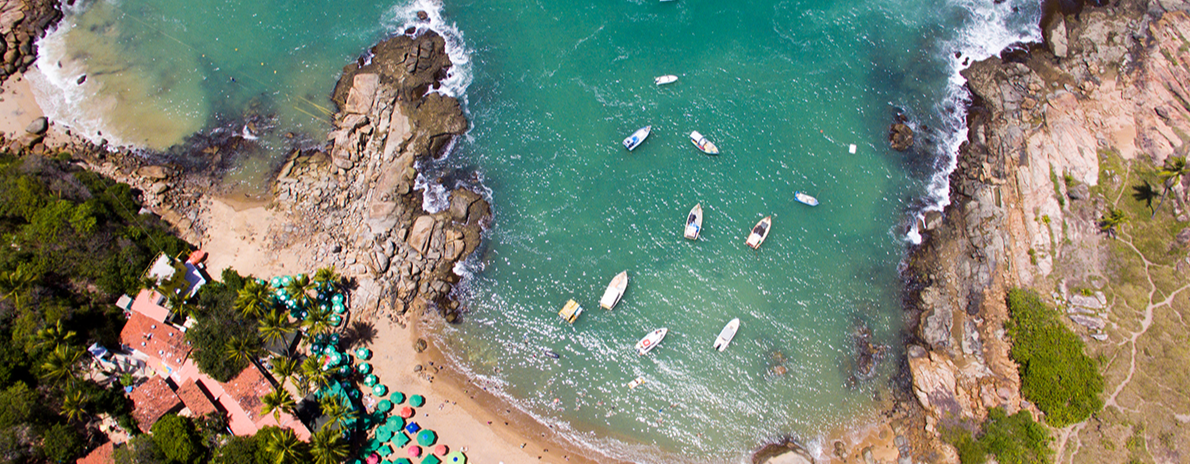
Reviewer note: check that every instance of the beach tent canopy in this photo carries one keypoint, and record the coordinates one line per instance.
(427, 437)
(455, 457)
(417, 401)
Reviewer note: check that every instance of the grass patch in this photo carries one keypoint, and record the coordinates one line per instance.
(1057, 188)
(1010, 439)
(1056, 374)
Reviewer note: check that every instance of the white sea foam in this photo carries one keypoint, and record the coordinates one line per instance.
(990, 28)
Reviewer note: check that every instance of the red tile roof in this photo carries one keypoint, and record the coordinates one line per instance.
(195, 398)
(247, 388)
(151, 401)
(101, 454)
(155, 339)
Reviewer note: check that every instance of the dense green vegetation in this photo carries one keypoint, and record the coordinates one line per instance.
(1010, 439)
(73, 242)
(221, 326)
(1056, 373)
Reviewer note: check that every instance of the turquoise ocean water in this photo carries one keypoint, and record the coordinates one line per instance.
(783, 87)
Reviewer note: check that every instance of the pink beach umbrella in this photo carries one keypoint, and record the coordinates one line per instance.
(406, 412)
(373, 458)
(441, 450)
(414, 451)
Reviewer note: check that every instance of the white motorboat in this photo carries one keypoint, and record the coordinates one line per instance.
(703, 144)
(694, 222)
(806, 199)
(727, 334)
(614, 291)
(663, 80)
(637, 137)
(650, 341)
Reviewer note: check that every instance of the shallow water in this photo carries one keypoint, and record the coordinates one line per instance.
(783, 87)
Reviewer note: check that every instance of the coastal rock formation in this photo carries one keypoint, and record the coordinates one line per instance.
(362, 192)
(1110, 82)
(22, 23)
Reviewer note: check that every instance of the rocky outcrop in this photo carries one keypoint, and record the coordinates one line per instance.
(361, 191)
(22, 22)
(1109, 82)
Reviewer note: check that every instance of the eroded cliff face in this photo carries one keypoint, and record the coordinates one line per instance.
(1109, 82)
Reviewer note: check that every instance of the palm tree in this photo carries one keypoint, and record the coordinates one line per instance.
(274, 325)
(336, 411)
(241, 349)
(300, 289)
(74, 405)
(276, 402)
(318, 320)
(1171, 174)
(1145, 193)
(14, 283)
(327, 445)
(328, 277)
(253, 299)
(1111, 220)
(285, 447)
(284, 368)
(54, 336)
(312, 374)
(62, 364)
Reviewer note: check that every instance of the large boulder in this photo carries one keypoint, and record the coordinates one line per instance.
(900, 136)
(39, 126)
(419, 234)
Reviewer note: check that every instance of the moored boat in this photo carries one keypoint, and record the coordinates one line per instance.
(694, 222)
(614, 291)
(631, 142)
(571, 311)
(636, 382)
(650, 341)
(727, 334)
(806, 199)
(760, 232)
(663, 80)
(703, 144)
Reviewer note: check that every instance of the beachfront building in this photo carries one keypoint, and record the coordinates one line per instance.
(176, 276)
(151, 400)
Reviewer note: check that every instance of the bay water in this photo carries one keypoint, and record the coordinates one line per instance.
(783, 87)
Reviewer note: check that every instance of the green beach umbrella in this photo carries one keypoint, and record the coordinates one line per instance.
(384, 450)
(340, 308)
(417, 400)
(384, 406)
(397, 397)
(371, 380)
(431, 458)
(337, 298)
(335, 320)
(379, 389)
(400, 439)
(383, 435)
(455, 457)
(395, 423)
(402, 460)
(364, 368)
(426, 437)
(363, 353)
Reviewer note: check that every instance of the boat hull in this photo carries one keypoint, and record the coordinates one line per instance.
(703, 144)
(806, 199)
(614, 291)
(694, 223)
(727, 334)
(760, 232)
(638, 137)
(650, 341)
(663, 80)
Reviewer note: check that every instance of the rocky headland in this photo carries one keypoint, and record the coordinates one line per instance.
(1049, 127)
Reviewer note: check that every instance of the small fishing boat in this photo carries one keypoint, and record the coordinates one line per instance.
(703, 144)
(806, 199)
(552, 354)
(650, 341)
(614, 291)
(636, 382)
(727, 334)
(663, 80)
(760, 232)
(694, 222)
(571, 311)
(637, 137)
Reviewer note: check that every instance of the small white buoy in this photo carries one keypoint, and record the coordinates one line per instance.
(851, 149)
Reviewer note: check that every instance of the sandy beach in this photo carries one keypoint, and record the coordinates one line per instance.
(17, 107)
